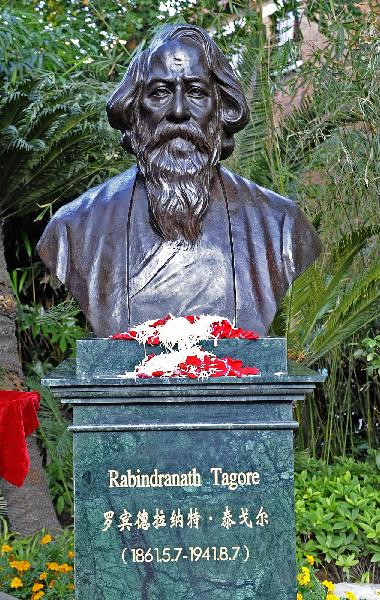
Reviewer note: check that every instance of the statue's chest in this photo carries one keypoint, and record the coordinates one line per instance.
(167, 277)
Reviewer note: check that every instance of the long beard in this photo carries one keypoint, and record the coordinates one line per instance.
(177, 161)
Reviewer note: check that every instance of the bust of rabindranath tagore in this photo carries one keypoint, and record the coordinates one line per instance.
(178, 233)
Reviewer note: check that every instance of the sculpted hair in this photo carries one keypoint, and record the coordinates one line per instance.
(234, 113)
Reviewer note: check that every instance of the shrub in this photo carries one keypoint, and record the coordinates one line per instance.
(310, 588)
(371, 354)
(37, 566)
(338, 516)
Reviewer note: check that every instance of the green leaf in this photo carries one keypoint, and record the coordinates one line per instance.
(60, 504)
(375, 558)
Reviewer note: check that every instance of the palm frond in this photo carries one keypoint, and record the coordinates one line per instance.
(251, 141)
(326, 297)
(53, 139)
(324, 306)
(359, 306)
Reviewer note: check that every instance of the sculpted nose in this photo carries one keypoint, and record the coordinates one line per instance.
(178, 112)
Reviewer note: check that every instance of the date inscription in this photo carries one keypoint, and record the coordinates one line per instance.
(190, 553)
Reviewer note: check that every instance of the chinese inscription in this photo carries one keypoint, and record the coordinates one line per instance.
(181, 519)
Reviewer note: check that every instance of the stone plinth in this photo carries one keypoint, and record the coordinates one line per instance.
(183, 488)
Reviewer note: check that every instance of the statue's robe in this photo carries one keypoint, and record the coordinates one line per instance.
(103, 248)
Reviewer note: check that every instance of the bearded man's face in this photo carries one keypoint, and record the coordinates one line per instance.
(177, 138)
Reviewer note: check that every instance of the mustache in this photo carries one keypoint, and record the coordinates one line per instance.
(166, 132)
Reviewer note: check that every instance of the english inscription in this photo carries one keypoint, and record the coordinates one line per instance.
(193, 478)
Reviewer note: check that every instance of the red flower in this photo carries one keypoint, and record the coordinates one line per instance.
(194, 366)
(161, 321)
(233, 363)
(127, 335)
(224, 330)
(194, 361)
(189, 374)
(247, 335)
(192, 319)
(249, 371)
(153, 340)
(220, 329)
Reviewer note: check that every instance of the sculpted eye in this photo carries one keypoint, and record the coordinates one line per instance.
(197, 92)
(160, 92)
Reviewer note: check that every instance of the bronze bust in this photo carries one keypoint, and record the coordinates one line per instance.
(178, 232)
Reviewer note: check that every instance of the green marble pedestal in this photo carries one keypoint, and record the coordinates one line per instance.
(183, 488)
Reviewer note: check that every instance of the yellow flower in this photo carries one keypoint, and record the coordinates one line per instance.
(329, 586)
(52, 583)
(43, 576)
(303, 577)
(64, 568)
(37, 586)
(38, 595)
(70, 554)
(46, 539)
(331, 596)
(6, 548)
(299, 596)
(16, 582)
(310, 559)
(350, 596)
(20, 565)
(52, 566)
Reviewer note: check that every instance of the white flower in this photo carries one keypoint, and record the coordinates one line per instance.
(168, 7)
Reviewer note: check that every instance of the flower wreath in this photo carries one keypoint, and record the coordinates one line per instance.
(183, 356)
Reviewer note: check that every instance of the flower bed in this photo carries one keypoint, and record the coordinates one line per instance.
(38, 566)
(310, 588)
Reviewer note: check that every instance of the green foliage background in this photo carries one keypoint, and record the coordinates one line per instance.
(59, 62)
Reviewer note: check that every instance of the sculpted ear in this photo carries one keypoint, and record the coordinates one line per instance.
(127, 122)
(120, 116)
(120, 107)
(234, 113)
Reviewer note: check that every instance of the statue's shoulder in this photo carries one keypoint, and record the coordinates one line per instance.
(88, 220)
(256, 196)
(280, 217)
(101, 199)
